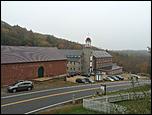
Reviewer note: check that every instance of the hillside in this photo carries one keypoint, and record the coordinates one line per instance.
(135, 61)
(131, 60)
(18, 36)
(133, 52)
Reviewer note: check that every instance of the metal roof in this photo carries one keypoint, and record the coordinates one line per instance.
(20, 54)
(71, 53)
(100, 54)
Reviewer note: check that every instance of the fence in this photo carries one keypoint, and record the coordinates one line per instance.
(105, 103)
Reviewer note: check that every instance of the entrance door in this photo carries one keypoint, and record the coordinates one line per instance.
(41, 72)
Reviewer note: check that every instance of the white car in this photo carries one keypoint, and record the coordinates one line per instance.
(134, 75)
(109, 79)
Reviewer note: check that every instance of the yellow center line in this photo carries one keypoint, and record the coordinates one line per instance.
(54, 95)
(23, 101)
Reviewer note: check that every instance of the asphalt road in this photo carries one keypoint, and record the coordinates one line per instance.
(30, 102)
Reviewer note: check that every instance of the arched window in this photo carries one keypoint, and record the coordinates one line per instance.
(41, 72)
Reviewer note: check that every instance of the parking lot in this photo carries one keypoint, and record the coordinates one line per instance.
(124, 75)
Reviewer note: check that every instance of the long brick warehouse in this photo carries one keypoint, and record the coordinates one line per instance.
(26, 63)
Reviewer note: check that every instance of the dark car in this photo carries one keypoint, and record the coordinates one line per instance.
(89, 80)
(71, 74)
(119, 77)
(79, 80)
(20, 86)
(85, 75)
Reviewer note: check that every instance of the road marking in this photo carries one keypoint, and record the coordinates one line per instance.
(64, 88)
(47, 90)
(47, 96)
(22, 101)
(56, 104)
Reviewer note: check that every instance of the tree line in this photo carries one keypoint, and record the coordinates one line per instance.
(132, 61)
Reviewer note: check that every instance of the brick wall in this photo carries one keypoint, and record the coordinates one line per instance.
(27, 71)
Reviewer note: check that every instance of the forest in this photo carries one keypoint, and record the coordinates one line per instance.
(133, 61)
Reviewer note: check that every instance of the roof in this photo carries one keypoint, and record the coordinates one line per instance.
(71, 53)
(20, 54)
(100, 54)
(114, 66)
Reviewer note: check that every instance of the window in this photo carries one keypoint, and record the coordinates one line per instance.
(90, 63)
(91, 58)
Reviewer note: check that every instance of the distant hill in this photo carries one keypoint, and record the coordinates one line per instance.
(135, 61)
(133, 52)
(18, 36)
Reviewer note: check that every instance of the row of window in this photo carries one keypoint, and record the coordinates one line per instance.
(72, 56)
(104, 59)
(72, 69)
(73, 62)
(105, 62)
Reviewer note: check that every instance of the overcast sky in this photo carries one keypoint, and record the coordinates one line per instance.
(111, 25)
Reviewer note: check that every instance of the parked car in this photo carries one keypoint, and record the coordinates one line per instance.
(71, 74)
(89, 80)
(20, 86)
(92, 74)
(115, 78)
(85, 75)
(108, 78)
(119, 77)
(134, 75)
(80, 80)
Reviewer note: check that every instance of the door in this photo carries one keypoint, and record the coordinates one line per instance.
(41, 72)
(22, 86)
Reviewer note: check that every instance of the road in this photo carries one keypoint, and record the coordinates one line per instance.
(31, 102)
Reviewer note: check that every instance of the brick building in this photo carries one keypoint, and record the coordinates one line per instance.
(26, 63)
(74, 58)
(102, 61)
(87, 61)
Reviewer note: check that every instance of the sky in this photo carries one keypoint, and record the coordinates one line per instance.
(112, 25)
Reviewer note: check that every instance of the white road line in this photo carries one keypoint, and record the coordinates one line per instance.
(56, 89)
(55, 105)
(46, 90)
(46, 96)
(61, 103)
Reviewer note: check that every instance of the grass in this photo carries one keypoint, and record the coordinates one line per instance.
(142, 106)
(71, 109)
(54, 83)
